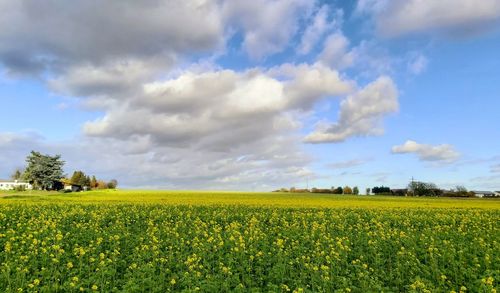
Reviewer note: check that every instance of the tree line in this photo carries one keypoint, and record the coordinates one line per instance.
(45, 172)
(414, 188)
(333, 190)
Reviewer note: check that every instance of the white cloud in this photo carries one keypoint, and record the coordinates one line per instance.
(136, 162)
(436, 153)
(336, 51)
(395, 18)
(348, 163)
(417, 64)
(220, 109)
(360, 113)
(319, 26)
(166, 123)
(267, 26)
(108, 78)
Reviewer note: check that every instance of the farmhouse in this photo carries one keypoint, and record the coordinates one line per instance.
(70, 186)
(12, 184)
(483, 193)
(399, 191)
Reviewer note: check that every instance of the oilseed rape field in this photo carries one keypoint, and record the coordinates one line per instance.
(150, 241)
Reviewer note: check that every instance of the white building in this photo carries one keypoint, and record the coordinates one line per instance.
(12, 184)
(483, 193)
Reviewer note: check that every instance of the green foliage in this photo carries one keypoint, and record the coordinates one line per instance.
(417, 188)
(381, 190)
(112, 184)
(79, 178)
(355, 190)
(338, 190)
(44, 171)
(159, 248)
(20, 187)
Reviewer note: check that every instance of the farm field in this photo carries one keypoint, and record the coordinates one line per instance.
(150, 241)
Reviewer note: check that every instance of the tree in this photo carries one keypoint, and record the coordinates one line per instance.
(418, 188)
(44, 171)
(101, 184)
(17, 175)
(367, 191)
(93, 182)
(338, 190)
(355, 190)
(347, 190)
(381, 189)
(112, 184)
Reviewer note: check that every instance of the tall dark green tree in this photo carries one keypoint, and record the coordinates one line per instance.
(44, 171)
(79, 178)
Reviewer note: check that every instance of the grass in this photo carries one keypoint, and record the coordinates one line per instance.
(260, 199)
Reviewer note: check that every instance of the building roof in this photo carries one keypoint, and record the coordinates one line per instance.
(12, 181)
(482, 192)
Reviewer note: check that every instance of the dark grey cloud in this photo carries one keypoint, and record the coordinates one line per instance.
(55, 34)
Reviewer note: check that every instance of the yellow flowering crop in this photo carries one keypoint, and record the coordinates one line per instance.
(190, 243)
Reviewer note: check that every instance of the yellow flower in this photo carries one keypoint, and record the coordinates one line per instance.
(172, 282)
(94, 287)
(69, 265)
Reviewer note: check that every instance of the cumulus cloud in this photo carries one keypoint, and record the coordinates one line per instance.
(361, 113)
(336, 51)
(267, 26)
(36, 36)
(395, 18)
(165, 123)
(426, 152)
(220, 109)
(111, 78)
(135, 163)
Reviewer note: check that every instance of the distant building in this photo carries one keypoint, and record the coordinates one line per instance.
(483, 193)
(73, 187)
(68, 185)
(399, 191)
(12, 184)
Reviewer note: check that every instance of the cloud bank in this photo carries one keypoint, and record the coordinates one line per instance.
(462, 17)
(171, 115)
(425, 152)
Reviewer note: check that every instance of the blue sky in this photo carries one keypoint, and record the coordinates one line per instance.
(255, 95)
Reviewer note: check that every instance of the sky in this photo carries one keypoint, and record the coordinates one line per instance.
(254, 95)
